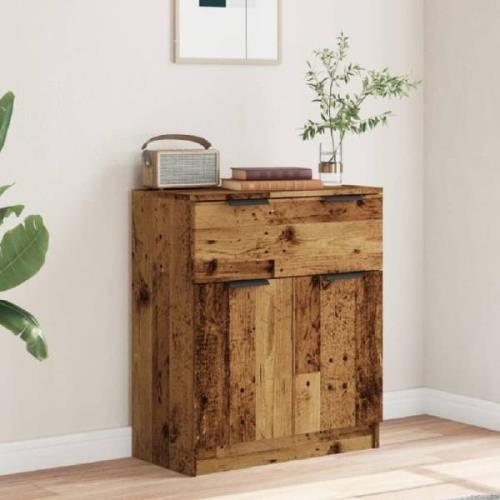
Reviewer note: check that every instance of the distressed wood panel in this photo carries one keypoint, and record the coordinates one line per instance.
(285, 212)
(288, 249)
(143, 332)
(242, 375)
(214, 271)
(287, 441)
(307, 324)
(225, 378)
(161, 325)
(182, 420)
(328, 265)
(274, 357)
(369, 349)
(305, 446)
(218, 194)
(212, 365)
(338, 353)
(163, 400)
(307, 407)
(296, 240)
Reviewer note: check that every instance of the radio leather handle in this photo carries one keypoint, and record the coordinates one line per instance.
(179, 137)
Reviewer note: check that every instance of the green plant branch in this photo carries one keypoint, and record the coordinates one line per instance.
(340, 109)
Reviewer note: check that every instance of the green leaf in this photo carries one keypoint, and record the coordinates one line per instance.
(334, 81)
(6, 108)
(21, 323)
(4, 188)
(7, 211)
(22, 252)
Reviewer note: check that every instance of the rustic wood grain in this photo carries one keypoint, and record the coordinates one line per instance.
(143, 332)
(338, 353)
(307, 403)
(376, 435)
(310, 446)
(242, 402)
(287, 441)
(274, 357)
(338, 263)
(295, 249)
(151, 327)
(285, 212)
(228, 377)
(212, 365)
(160, 297)
(182, 419)
(307, 324)
(369, 349)
(224, 194)
(214, 271)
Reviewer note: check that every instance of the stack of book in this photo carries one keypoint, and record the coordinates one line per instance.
(271, 179)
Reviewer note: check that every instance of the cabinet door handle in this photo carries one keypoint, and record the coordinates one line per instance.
(248, 283)
(342, 198)
(344, 276)
(248, 201)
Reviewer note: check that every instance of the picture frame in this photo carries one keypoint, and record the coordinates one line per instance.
(244, 32)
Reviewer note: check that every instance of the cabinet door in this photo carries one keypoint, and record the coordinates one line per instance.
(243, 362)
(337, 351)
(287, 357)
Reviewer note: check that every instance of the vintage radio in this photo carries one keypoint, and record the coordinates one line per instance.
(180, 168)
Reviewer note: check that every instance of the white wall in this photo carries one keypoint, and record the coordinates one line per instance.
(462, 292)
(93, 80)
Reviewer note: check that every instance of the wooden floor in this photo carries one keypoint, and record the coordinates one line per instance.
(421, 458)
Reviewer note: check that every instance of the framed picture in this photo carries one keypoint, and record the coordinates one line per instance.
(227, 31)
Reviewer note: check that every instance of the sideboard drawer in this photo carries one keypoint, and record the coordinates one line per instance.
(286, 237)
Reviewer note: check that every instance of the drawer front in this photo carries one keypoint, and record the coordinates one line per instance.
(286, 237)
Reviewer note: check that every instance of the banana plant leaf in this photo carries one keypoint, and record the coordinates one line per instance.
(21, 323)
(6, 108)
(22, 252)
(7, 211)
(4, 188)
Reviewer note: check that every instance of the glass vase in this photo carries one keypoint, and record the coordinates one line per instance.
(330, 166)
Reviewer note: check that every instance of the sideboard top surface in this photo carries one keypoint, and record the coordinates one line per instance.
(219, 194)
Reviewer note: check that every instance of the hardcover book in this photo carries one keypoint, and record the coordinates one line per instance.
(273, 185)
(272, 173)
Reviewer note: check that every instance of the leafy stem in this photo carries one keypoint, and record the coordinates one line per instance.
(342, 88)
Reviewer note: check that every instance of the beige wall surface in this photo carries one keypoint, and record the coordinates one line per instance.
(462, 232)
(93, 80)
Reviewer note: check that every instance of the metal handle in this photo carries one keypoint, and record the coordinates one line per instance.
(247, 202)
(339, 199)
(344, 276)
(248, 283)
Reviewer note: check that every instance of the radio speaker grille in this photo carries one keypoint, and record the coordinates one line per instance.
(187, 169)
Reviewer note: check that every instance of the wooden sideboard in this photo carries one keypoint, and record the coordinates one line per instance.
(257, 325)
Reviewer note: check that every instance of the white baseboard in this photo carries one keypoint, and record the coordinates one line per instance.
(90, 447)
(413, 402)
(401, 404)
(462, 409)
(48, 453)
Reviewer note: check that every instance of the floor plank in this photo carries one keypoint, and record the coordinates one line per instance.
(422, 458)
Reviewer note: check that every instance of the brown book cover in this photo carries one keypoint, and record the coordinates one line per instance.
(275, 185)
(271, 173)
